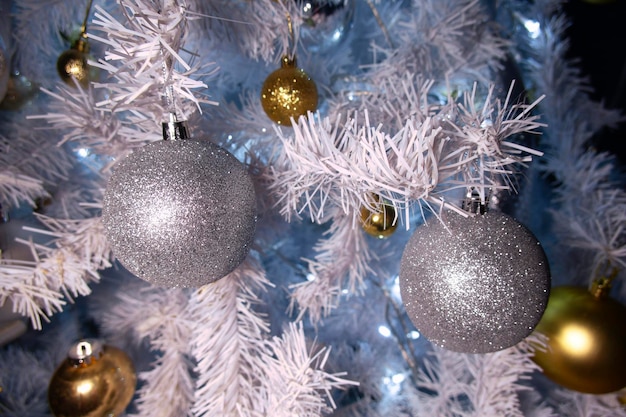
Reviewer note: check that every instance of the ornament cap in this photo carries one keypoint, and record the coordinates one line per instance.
(175, 129)
(473, 203)
(601, 287)
(81, 45)
(288, 61)
(85, 351)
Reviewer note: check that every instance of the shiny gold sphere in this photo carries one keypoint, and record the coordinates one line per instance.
(288, 92)
(380, 224)
(73, 64)
(586, 341)
(101, 386)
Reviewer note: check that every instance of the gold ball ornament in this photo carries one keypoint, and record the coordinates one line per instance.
(72, 63)
(380, 223)
(94, 380)
(586, 340)
(288, 92)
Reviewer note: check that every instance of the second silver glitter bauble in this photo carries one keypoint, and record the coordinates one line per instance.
(180, 213)
(474, 285)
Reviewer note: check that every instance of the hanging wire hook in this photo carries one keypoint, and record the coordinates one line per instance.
(603, 279)
(173, 127)
(168, 88)
(83, 28)
(291, 46)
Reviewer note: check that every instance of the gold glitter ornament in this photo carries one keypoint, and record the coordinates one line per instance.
(586, 340)
(94, 380)
(73, 64)
(380, 223)
(288, 92)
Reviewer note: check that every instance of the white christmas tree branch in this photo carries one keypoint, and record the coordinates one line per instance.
(30, 152)
(567, 97)
(62, 268)
(29, 299)
(575, 404)
(158, 315)
(594, 223)
(74, 112)
(341, 163)
(29, 162)
(326, 166)
(37, 288)
(483, 133)
(444, 37)
(24, 392)
(455, 384)
(339, 268)
(146, 50)
(226, 343)
(295, 383)
(336, 163)
(268, 36)
(85, 237)
(597, 227)
(169, 387)
(16, 189)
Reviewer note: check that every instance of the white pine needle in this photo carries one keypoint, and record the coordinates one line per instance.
(226, 344)
(456, 384)
(295, 383)
(342, 263)
(158, 316)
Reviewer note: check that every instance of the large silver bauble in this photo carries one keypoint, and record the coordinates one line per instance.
(474, 285)
(180, 213)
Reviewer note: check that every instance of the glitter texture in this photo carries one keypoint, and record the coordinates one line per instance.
(288, 92)
(180, 213)
(475, 285)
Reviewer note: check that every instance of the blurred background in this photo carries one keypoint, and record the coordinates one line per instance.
(597, 35)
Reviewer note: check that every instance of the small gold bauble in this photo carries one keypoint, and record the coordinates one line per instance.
(381, 223)
(586, 341)
(93, 381)
(288, 92)
(73, 64)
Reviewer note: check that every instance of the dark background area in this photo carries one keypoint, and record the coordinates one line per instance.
(598, 39)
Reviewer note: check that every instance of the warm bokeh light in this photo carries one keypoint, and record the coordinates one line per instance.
(84, 388)
(577, 340)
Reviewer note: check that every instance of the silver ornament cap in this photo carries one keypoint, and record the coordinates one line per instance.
(83, 351)
(180, 213)
(474, 285)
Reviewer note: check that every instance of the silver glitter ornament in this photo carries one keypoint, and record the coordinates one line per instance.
(474, 285)
(180, 213)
